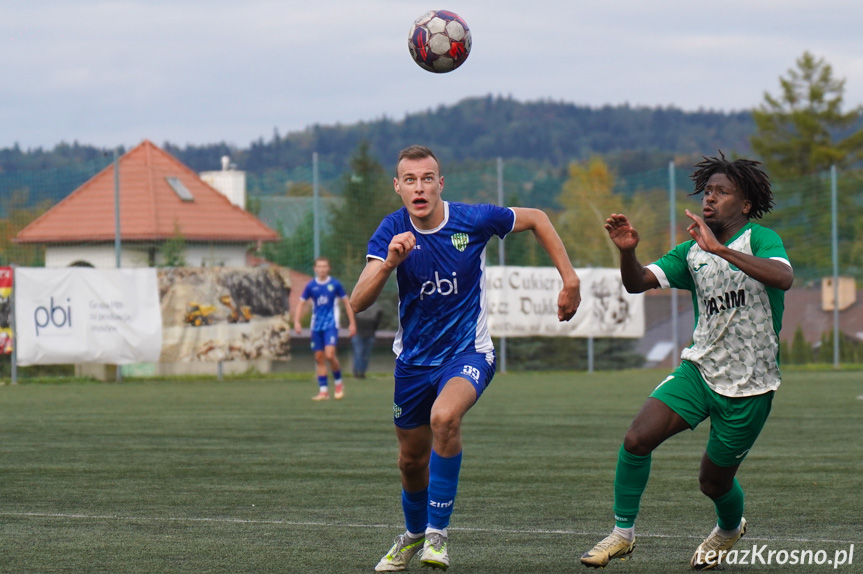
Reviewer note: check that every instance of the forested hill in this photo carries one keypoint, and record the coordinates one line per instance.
(554, 133)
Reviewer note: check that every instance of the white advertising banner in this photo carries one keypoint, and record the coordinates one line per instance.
(522, 302)
(83, 315)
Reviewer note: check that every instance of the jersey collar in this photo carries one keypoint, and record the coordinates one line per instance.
(439, 227)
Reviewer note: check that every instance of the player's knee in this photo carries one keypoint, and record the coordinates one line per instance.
(635, 443)
(445, 423)
(412, 464)
(713, 487)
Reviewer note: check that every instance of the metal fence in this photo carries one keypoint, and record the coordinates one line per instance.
(819, 217)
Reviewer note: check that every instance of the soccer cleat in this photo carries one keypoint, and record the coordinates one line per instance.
(710, 553)
(400, 554)
(340, 391)
(612, 546)
(434, 551)
(321, 396)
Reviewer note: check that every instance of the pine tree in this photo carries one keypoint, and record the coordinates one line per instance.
(803, 130)
(368, 196)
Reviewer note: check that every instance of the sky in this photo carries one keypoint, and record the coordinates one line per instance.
(110, 73)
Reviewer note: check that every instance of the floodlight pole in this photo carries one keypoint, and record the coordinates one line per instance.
(834, 240)
(117, 241)
(14, 328)
(316, 206)
(501, 255)
(672, 201)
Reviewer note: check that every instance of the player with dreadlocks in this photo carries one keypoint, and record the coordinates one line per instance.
(737, 272)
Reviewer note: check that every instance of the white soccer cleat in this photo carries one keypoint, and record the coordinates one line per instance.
(710, 553)
(400, 554)
(612, 546)
(435, 554)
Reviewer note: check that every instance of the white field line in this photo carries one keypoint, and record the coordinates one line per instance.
(310, 524)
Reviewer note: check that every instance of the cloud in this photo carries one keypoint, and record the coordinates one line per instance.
(113, 72)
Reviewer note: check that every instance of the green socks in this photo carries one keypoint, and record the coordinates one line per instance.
(729, 508)
(630, 480)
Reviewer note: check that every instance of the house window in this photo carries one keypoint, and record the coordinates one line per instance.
(181, 190)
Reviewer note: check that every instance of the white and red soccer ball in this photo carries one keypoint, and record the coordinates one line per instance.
(439, 41)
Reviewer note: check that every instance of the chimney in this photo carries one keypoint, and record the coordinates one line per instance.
(230, 181)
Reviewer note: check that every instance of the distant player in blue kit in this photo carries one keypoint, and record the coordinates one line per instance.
(445, 358)
(323, 291)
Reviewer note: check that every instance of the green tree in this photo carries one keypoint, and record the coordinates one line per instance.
(295, 251)
(174, 249)
(367, 197)
(801, 350)
(800, 134)
(587, 200)
(300, 189)
(803, 130)
(19, 216)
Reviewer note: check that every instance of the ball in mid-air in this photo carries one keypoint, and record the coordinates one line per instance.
(439, 41)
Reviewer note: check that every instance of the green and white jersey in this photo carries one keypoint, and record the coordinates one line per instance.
(735, 343)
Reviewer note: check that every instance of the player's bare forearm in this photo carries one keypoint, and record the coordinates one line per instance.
(351, 320)
(771, 272)
(636, 278)
(369, 285)
(298, 314)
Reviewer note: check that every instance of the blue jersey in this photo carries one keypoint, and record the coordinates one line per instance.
(442, 291)
(323, 296)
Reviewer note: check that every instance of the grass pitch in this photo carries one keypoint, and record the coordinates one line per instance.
(252, 476)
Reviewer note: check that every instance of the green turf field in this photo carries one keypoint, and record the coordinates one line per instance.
(252, 476)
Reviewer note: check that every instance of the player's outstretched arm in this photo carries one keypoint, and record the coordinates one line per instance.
(352, 323)
(771, 272)
(376, 272)
(298, 314)
(369, 285)
(636, 277)
(537, 221)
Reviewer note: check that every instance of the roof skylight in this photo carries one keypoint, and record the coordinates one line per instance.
(181, 190)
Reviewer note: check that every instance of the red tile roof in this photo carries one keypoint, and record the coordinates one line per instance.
(150, 210)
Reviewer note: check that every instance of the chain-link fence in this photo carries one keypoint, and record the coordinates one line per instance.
(312, 212)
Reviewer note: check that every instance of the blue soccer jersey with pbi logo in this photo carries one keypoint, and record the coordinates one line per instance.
(442, 291)
(323, 296)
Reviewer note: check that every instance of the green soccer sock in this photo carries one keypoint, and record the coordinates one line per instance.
(729, 508)
(630, 480)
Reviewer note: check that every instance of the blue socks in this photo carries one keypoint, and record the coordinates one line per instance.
(322, 383)
(443, 483)
(415, 506)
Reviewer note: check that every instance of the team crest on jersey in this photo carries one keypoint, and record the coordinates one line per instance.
(459, 240)
(330, 287)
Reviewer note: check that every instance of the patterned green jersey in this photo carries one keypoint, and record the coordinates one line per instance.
(735, 343)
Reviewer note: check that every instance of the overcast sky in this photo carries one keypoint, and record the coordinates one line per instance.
(108, 72)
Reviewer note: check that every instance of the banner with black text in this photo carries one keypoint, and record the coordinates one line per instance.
(522, 302)
(80, 315)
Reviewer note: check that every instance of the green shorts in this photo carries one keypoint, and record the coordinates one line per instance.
(735, 422)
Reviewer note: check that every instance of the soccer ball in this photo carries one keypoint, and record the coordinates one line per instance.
(439, 41)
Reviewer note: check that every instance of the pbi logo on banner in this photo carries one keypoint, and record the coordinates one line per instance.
(53, 319)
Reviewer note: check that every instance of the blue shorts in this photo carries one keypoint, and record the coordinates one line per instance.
(325, 338)
(417, 387)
